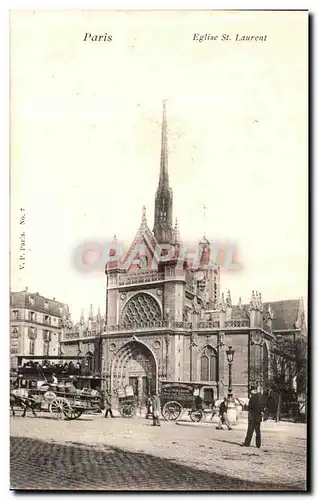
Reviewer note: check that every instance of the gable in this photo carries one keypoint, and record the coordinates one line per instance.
(144, 243)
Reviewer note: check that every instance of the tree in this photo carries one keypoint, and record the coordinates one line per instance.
(288, 369)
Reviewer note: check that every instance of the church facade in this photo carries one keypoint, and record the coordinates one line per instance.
(166, 318)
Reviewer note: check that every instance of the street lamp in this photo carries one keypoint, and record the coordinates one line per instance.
(231, 408)
(230, 357)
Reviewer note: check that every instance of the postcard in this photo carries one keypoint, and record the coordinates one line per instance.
(159, 250)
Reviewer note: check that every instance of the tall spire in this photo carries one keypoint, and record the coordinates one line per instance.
(164, 176)
(163, 203)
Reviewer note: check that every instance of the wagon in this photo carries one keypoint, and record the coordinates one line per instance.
(126, 402)
(62, 400)
(58, 401)
(178, 397)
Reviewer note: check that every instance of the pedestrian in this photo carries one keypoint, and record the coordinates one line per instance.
(149, 408)
(54, 379)
(108, 406)
(155, 410)
(102, 397)
(213, 409)
(223, 419)
(198, 402)
(254, 419)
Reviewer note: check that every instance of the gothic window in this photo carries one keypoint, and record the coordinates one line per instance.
(209, 365)
(141, 308)
(204, 368)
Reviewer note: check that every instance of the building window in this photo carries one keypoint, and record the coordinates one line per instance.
(209, 365)
(15, 315)
(46, 336)
(32, 316)
(141, 308)
(46, 350)
(46, 304)
(204, 368)
(47, 319)
(15, 332)
(31, 347)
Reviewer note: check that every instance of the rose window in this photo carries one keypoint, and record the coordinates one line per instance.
(141, 308)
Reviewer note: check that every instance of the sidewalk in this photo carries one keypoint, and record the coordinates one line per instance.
(269, 425)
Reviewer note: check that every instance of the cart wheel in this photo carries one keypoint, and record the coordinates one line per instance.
(197, 415)
(60, 408)
(171, 410)
(75, 413)
(127, 411)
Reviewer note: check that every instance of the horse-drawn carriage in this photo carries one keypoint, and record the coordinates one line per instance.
(69, 398)
(126, 402)
(61, 401)
(194, 397)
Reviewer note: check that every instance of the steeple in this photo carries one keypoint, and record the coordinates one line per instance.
(164, 176)
(163, 203)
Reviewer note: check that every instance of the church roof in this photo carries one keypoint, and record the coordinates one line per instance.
(285, 313)
(239, 313)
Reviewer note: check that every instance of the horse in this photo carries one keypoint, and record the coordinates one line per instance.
(22, 399)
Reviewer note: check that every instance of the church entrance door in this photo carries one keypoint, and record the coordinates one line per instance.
(135, 365)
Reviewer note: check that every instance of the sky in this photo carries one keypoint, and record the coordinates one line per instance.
(85, 142)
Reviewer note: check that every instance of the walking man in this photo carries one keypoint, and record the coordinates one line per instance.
(223, 416)
(155, 410)
(254, 419)
(149, 407)
(213, 409)
(108, 406)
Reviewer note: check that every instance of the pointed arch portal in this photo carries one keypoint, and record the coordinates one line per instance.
(134, 364)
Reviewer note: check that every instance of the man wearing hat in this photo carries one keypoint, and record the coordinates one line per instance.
(254, 419)
(108, 406)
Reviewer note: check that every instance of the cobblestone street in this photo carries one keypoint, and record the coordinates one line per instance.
(128, 454)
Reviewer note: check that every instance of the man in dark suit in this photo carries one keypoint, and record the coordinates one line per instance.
(108, 406)
(254, 419)
(223, 416)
